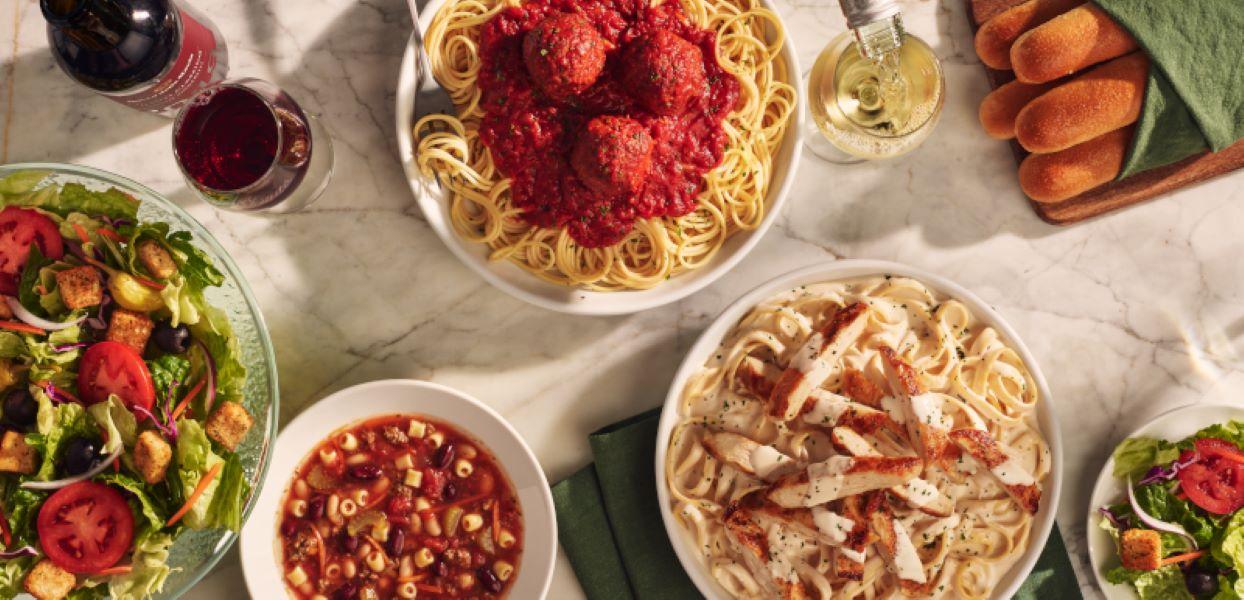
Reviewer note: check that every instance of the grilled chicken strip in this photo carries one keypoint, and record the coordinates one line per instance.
(1019, 483)
(896, 547)
(756, 377)
(922, 411)
(766, 552)
(749, 456)
(858, 388)
(842, 476)
(827, 409)
(917, 493)
(816, 361)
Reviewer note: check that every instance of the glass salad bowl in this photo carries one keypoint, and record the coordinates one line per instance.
(196, 552)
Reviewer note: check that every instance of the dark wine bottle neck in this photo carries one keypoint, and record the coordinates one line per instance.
(94, 24)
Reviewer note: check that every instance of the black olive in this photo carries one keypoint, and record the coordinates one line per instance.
(20, 407)
(173, 340)
(1202, 585)
(78, 456)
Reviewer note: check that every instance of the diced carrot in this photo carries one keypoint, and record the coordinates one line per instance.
(118, 570)
(21, 327)
(82, 234)
(1178, 558)
(185, 402)
(194, 496)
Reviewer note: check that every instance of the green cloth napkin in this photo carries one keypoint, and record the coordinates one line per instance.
(1195, 97)
(609, 523)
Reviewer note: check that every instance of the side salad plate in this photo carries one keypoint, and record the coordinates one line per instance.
(137, 389)
(1178, 532)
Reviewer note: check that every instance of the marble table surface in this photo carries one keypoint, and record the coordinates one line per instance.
(1129, 315)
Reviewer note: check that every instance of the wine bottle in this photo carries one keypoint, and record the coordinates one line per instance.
(151, 55)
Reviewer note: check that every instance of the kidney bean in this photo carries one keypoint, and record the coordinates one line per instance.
(348, 591)
(349, 543)
(315, 508)
(450, 491)
(489, 580)
(288, 527)
(442, 569)
(444, 455)
(397, 541)
(366, 472)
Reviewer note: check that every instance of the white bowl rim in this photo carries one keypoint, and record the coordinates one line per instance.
(260, 569)
(1104, 489)
(574, 300)
(836, 271)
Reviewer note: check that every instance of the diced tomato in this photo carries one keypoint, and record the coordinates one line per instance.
(85, 527)
(433, 485)
(114, 368)
(1215, 482)
(19, 228)
(436, 544)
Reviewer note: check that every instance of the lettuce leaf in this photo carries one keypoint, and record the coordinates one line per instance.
(226, 508)
(148, 505)
(1135, 456)
(69, 420)
(151, 568)
(1228, 546)
(13, 572)
(21, 182)
(1231, 431)
(193, 263)
(167, 371)
(117, 420)
(1166, 583)
(21, 506)
(216, 334)
(194, 458)
(75, 197)
(1159, 502)
(1228, 589)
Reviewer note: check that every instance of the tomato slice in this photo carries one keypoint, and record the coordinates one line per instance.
(114, 368)
(19, 228)
(85, 527)
(1215, 481)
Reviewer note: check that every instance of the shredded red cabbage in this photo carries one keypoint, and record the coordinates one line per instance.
(54, 393)
(1159, 473)
(1113, 518)
(168, 429)
(68, 347)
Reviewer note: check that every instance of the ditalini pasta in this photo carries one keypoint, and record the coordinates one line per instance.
(863, 438)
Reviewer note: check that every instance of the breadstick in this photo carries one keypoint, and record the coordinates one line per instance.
(994, 38)
(1067, 43)
(1056, 177)
(1104, 99)
(999, 109)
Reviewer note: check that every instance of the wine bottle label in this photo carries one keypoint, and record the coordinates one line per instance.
(202, 61)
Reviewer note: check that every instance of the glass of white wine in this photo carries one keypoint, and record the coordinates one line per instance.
(874, 92)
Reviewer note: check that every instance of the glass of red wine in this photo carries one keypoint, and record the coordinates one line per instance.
(245, 145)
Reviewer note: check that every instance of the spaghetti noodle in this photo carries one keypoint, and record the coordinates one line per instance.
(966, 528)
(749, 40)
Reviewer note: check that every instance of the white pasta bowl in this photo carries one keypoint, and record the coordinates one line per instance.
(525, 286)
(261, 561)
(708, 343)
(1173, 425)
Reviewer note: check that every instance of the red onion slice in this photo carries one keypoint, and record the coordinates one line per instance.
(18, 553)
(30, 318)
(1154, 523)
(60, 483)
(209, 396)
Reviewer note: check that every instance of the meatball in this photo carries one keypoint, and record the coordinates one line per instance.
(663, 71)
(612, 154)
(564, 55)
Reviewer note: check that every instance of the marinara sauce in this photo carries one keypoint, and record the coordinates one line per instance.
(539, 95)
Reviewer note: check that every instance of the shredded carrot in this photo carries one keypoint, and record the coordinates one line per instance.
(194, 496)
(4, 528)
(116, 570)
(496, 522)
(319, 541)
(21, 327)
(149, 283)
(110, 234)
(431, 589)
(415, 578)
(461, 502)
(82, 234)
(185, 403)
(98, 265)
(1178, 558)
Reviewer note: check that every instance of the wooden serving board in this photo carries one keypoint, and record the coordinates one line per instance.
(1116, 194)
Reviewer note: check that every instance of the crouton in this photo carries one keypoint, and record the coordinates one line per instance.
(130, 328)
(228, 424)
(152, 455)
(80, 287)
(1141, 549)
(16, 456)
(156, 259)
(49, 582)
